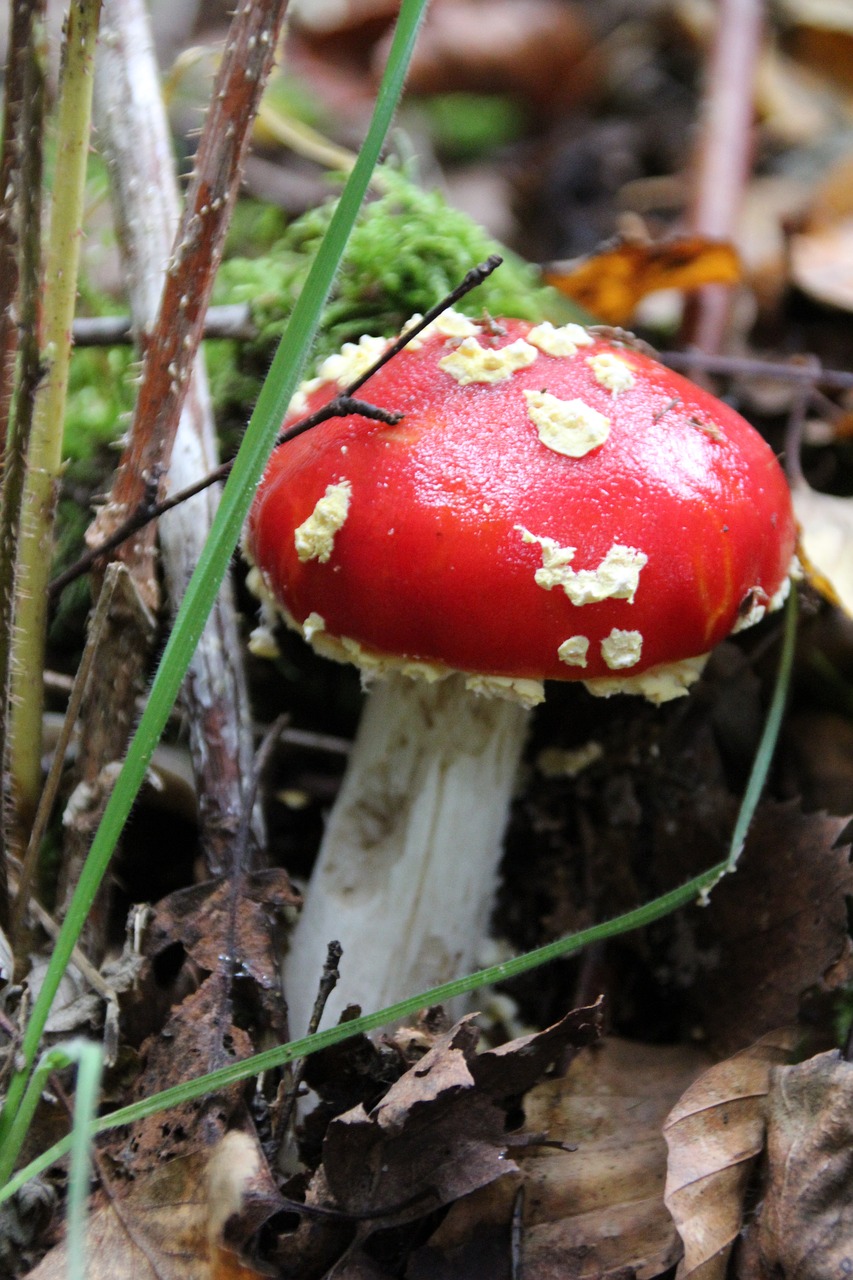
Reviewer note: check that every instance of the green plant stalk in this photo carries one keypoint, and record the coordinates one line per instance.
(45, 450)
(698, 888)
(26, 181)
(213, 564)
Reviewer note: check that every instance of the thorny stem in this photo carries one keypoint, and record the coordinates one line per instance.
(343, 404)
(272, 404)
(23, 203)
(22, 17)
(242, 74)
(45, 452)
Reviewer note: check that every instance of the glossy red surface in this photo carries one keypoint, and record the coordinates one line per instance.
(430, 564)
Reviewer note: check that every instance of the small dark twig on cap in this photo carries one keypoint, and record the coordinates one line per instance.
(344, 404)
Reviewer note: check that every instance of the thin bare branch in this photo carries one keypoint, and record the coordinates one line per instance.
(231, 321)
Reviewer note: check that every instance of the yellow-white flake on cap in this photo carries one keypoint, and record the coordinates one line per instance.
(611, 371)
(353, 359)
(450, 324)
(573, 651)
(472, 363)
(622, 649)
(314, 539)
(569, 427)
(562, 341)
(616, 578)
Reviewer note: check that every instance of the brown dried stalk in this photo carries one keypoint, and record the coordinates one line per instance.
(246, 62)
(21, 19)
(134, 133)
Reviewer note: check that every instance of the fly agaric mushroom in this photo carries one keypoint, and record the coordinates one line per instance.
(554, 506)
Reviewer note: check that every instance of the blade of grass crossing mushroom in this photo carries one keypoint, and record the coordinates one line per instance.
(696, 888)
(769, 734)
(257, 443)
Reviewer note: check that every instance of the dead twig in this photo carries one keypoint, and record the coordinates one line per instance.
(232, 321)
(345, 403)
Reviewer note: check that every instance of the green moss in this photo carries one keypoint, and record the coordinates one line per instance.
(100, 399)
(408, 249)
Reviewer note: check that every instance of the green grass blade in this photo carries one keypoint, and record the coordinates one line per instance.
(695, 889)
(213, 564)
(770, 733)
(90, 1059)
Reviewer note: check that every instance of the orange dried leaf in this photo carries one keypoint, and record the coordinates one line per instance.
(611, 283)
(714, 1134)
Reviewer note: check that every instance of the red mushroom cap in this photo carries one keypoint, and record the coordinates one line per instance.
(576, 516)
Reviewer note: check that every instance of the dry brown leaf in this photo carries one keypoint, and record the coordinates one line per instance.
(200, 919)
(197, 1037)
(440, 1130)
(591, 1212)
(779, 926)
(611, 283)
(714, 1132)
(805, 1227)
(169, 1225)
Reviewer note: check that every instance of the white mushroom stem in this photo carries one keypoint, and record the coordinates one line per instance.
(406, 873)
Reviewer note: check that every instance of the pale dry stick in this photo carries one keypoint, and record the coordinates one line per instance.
(723, 155)
(134, 133)
(234, 321)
